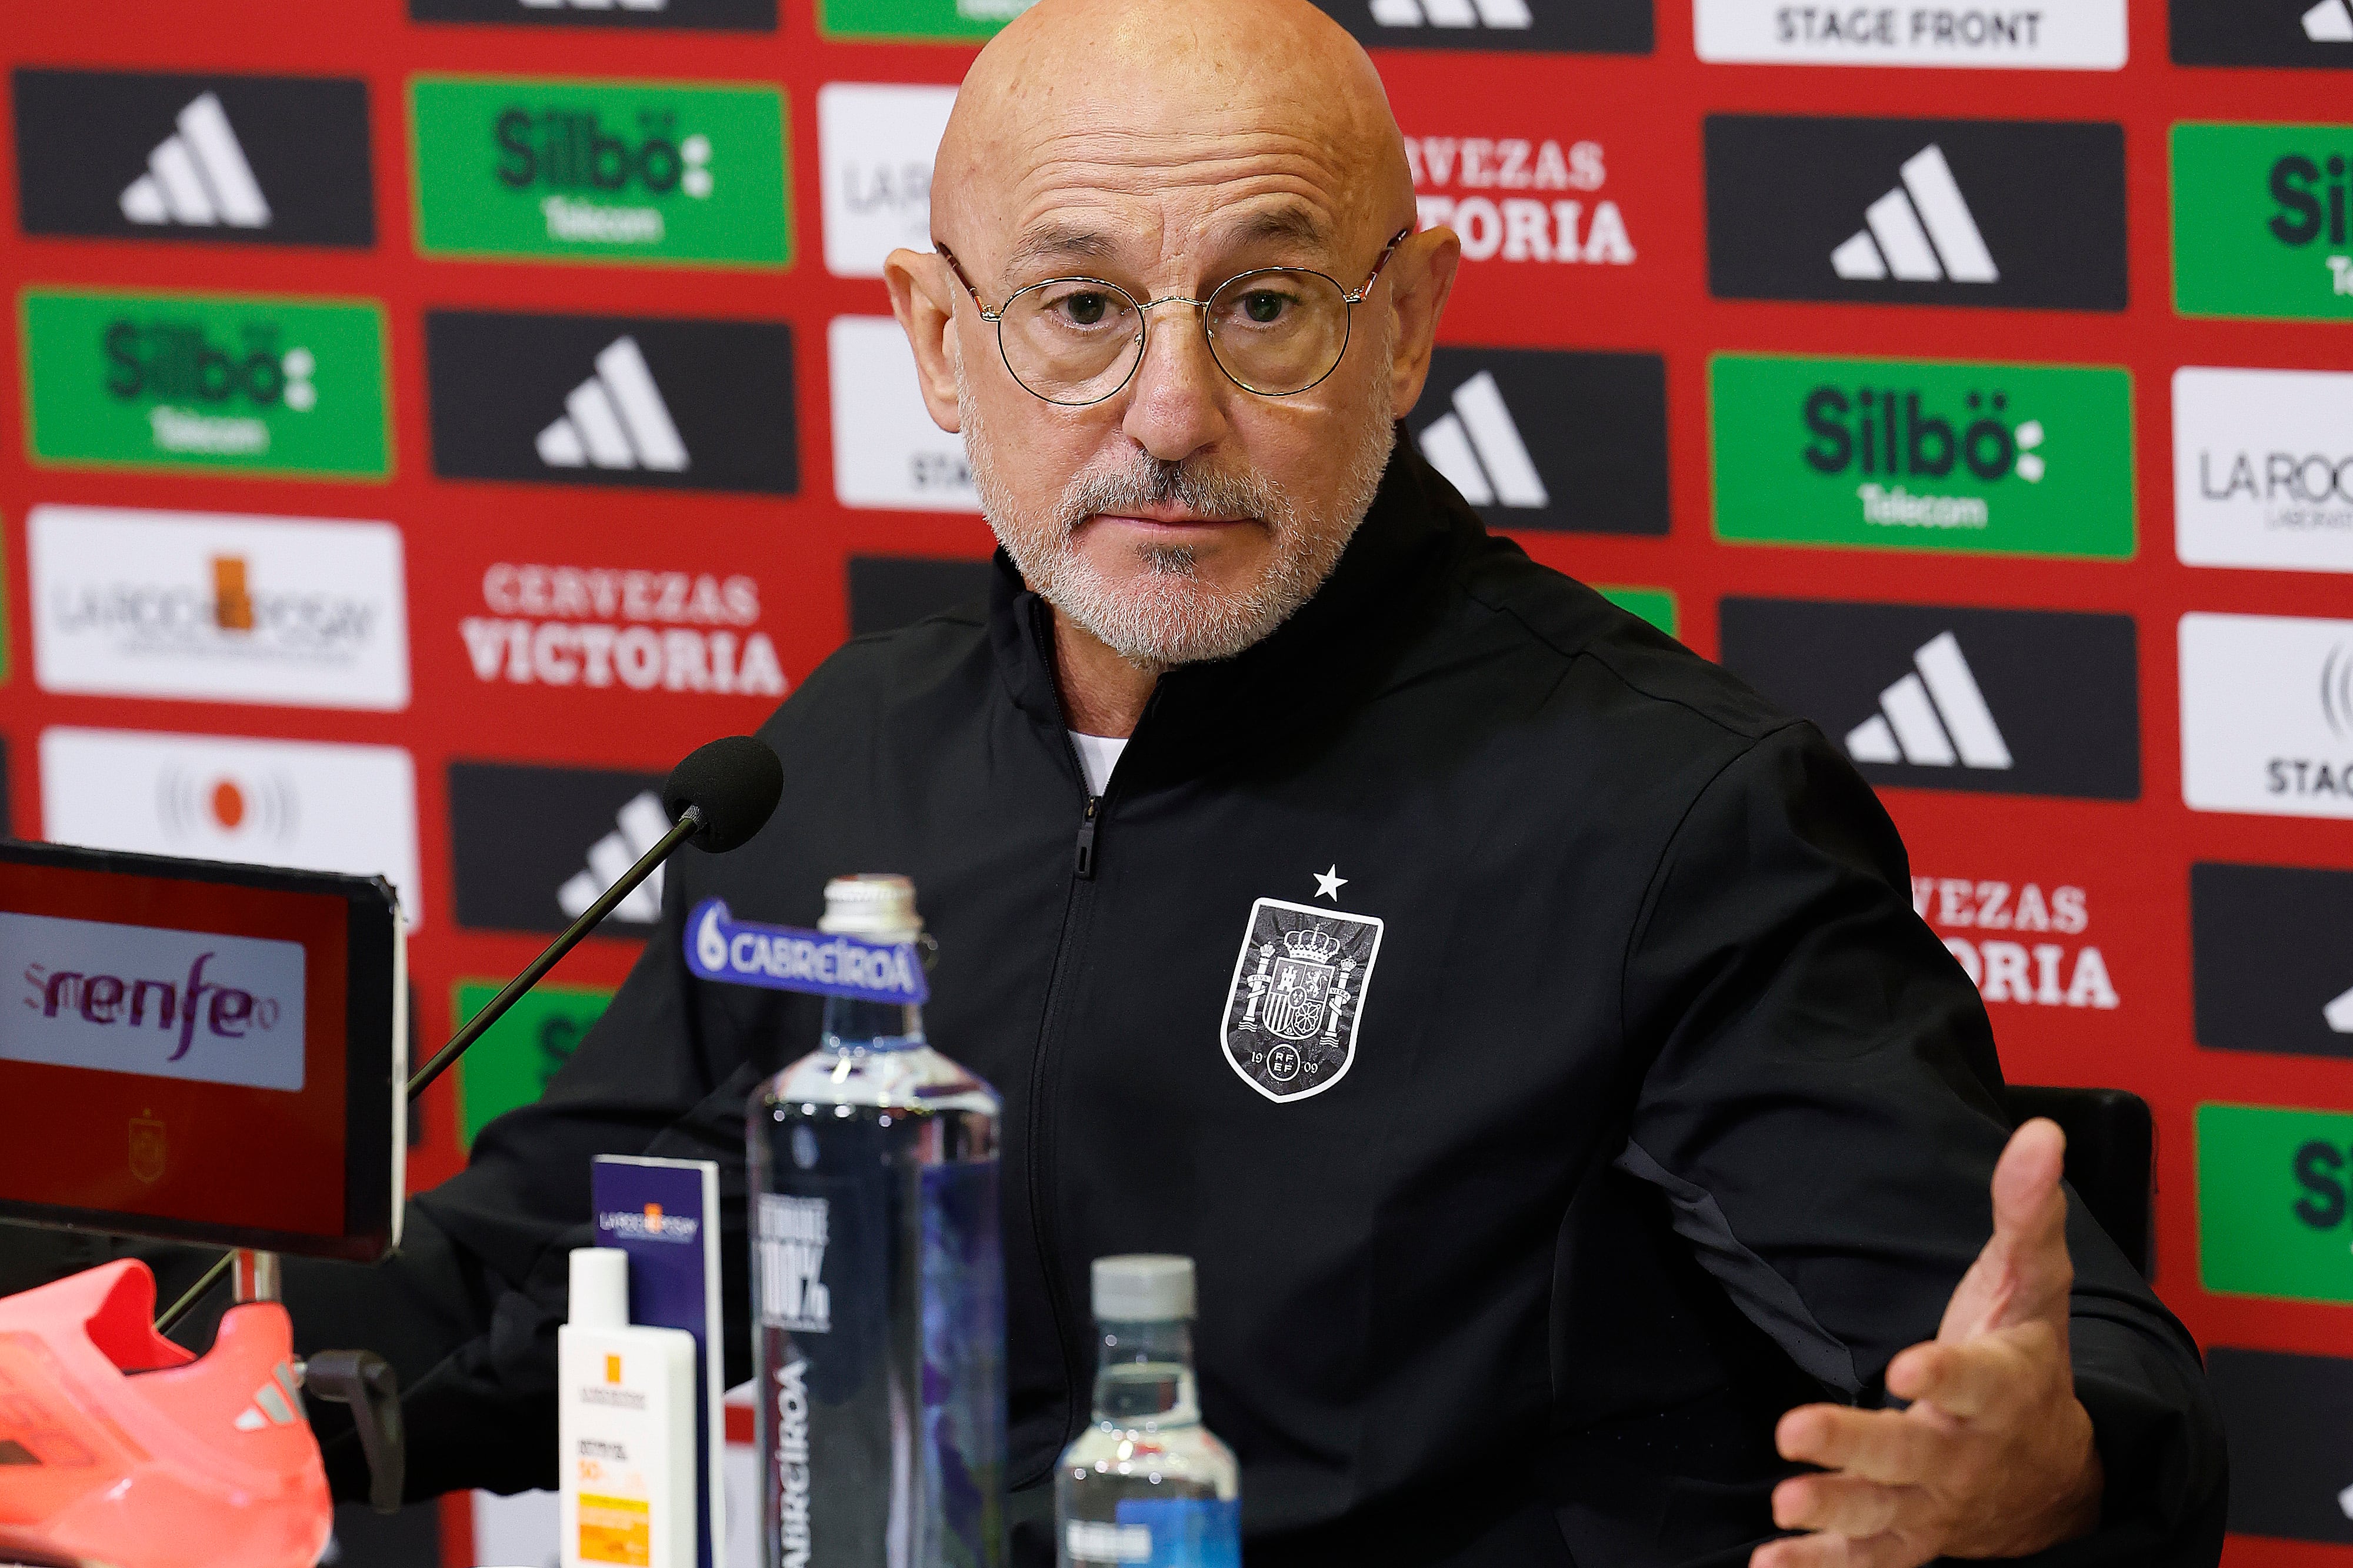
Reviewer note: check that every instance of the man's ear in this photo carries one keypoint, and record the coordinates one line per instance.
(922, 297)
(1421, 276)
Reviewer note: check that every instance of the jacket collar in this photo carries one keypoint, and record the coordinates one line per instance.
(1338, 643)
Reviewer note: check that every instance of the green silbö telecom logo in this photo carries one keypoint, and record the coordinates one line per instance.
(2276, 1202)
(236, 383)
(940, 21)
(1656, 605)
(641, 171)
(2261, 225)
(1994, 459)
(509, 1066)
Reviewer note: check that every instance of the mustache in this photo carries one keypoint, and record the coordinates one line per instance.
(1157, 482)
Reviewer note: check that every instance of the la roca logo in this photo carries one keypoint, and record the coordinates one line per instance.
(2038, 958)
(1540, 224)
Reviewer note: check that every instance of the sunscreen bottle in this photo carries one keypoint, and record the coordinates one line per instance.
(625, 1427)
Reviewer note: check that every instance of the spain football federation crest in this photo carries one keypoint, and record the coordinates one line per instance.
(1289, 1027)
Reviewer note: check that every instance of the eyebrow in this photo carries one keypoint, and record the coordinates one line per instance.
(1058, 241)
(1292, 223)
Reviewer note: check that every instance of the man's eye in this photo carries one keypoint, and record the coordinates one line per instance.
(1261, 308)
(1085, 310)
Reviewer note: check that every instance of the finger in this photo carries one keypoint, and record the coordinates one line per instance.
(1834, 1550)
(1847, 1504)
(2023, 1272)
(1882, 1446)
(1986, 1376)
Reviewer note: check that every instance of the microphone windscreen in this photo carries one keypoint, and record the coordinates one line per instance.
(736, 780)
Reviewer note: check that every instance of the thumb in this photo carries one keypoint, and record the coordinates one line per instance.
(2023, 1274)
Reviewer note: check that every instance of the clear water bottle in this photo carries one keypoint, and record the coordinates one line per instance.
(878, 1286)
(1146, 1484)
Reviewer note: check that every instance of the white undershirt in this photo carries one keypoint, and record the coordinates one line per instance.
(1098, 754)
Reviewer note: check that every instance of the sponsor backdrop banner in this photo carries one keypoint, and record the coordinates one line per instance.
(428, 419)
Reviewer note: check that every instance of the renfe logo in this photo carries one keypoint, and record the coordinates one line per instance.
(215, 608)
(613, 400)
(886, 450)
(1536, 439)
(600, 170)
(875, 145)
(2050, 35)
(193, 1005)
(2262, 469)
(250, 160)
(2267, 715)
(2312, 33)
(2273, 969)
(1936, 697)
(1992, 213)
(1918, 454)
(2261, 222)
(207, 381)
(1581, 27)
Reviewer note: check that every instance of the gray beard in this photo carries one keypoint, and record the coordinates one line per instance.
(1169, 616)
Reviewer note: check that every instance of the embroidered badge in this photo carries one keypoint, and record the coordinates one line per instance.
(1290, 1025)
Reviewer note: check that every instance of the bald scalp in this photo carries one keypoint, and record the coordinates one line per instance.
(1257, 99)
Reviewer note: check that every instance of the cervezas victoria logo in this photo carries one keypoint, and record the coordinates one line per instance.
(600, 170)
(255, 160)
(2262, 226)
(1518, 198)
(1922, 454)
(224, 608)
(209, 381)
(2021, 942)
(630, 630)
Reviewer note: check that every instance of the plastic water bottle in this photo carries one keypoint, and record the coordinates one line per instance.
(1146, 1484)
(878, 1286)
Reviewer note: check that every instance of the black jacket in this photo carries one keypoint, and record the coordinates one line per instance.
(1663, 1111)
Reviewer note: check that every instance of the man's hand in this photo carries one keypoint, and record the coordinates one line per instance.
(1994, 1458)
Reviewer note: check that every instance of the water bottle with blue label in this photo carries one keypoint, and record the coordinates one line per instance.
(877, 1279)
(1146, 1485)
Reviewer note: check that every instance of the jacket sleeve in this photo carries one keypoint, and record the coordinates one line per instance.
(1820, 1109)
(467, 1311)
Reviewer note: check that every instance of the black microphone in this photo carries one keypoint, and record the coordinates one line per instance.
(721, 795)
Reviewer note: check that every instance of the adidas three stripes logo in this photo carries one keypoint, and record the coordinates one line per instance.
(1478, 447)
(198, 175)
(1920, 232)
(616, 419)
(1933, 716)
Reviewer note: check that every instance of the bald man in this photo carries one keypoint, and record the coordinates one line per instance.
(1588, 1156)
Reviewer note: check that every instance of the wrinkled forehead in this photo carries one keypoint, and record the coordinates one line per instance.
(1165, 166)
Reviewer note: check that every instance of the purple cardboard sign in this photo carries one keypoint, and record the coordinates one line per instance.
(665, 1214)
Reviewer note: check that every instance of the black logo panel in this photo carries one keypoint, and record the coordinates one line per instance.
(1538, 439)
(2271, 959)
(1916, 212)
(612, 400)
(886, 592)
(2263, 33)
(252, 160)
(1564, 27)
(738, 16)
(535, 846)
(2284, 1416)
(2001, 701)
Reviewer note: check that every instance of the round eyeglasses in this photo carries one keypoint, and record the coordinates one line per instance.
(1275, 331)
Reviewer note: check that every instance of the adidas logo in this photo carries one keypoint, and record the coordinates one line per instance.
(1921, 231)
(594, 4)
(2331, 22)
(615, 419)
(1932, 718)
(199, 176)
(1513, 13)
(641, 824)
(1479, 449)
(2339, 1014)
(275, 1403)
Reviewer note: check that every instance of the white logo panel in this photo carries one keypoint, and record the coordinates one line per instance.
(2054, 35)
(876, 145)
(886, 450)
(2267, 715)
(311, 806)
(2262, 469)
(219, 607)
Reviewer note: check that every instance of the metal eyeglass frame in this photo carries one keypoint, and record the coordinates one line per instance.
(1143, 316)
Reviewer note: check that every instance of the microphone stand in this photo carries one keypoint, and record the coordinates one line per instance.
(689, 824)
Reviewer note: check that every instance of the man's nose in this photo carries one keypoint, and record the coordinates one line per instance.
(1177, 403)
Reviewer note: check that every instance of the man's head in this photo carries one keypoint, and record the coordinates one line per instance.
(1164, 148)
